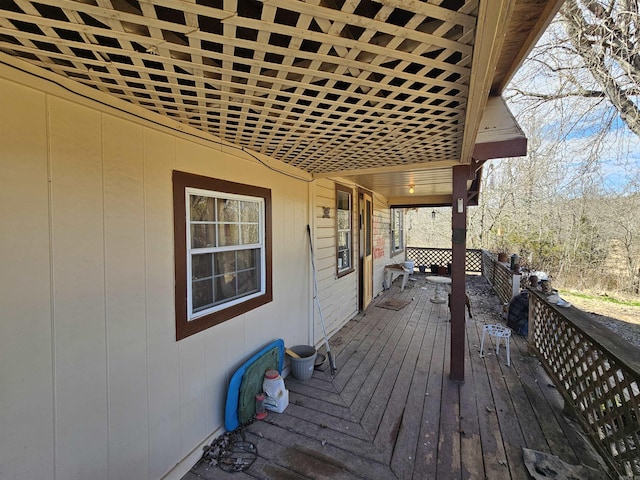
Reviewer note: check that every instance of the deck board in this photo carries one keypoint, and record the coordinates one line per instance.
(391, 411)
(427, 448)
(472, 463)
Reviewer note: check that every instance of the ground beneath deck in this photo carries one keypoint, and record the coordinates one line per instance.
(391, 411)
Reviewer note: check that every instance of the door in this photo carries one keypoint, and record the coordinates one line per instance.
(365, 249)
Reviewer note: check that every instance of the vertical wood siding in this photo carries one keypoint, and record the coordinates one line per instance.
(93, 383)
(339, 296)
(381, 237)
(26, 401)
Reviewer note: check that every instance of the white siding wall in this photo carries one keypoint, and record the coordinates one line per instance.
(339, 296)
(381, 242)
(92, 381)
(26, 382)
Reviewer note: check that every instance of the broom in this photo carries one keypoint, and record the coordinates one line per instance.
(332, 362)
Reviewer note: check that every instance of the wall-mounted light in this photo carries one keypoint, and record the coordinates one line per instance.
(411, 190)
(433, 214)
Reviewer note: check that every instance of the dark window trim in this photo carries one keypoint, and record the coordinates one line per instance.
(182, 180)
(348, 190)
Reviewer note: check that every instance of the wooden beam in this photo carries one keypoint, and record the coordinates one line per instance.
(411, 201)
(394, 168)
(458, 276)
(499, 134)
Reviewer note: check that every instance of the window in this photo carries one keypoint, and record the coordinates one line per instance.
(222, 235)
(344, 225)
(397, 230)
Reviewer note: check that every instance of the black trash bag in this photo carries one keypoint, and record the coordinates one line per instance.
(518, 313)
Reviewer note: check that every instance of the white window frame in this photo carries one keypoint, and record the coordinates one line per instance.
(344, 269)
(191, 315)
(399, 213)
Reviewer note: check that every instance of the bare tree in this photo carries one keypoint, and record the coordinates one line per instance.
(577, 99)
(570, 207)
(604, 36)
(586, 74)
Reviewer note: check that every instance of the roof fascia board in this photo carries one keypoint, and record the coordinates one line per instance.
(543, 22)
(492, 21)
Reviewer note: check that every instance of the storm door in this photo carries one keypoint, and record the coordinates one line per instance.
(365, 249)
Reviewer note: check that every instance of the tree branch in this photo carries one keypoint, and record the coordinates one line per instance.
(595, 60)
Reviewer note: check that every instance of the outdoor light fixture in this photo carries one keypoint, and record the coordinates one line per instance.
(411, 190)
(433, 214)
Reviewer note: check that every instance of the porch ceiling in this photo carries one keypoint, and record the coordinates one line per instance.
(389, 92)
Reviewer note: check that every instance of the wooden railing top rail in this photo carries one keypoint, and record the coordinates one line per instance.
(616, 347)
(442, 249)
(598, 375)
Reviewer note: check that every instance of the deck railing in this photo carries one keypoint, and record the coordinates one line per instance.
(598, 375)
(505, 282)
(423, 256)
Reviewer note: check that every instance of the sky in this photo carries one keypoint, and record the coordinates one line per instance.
(585, 136)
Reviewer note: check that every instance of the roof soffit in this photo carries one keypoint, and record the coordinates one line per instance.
(356, 88)
(320, 85)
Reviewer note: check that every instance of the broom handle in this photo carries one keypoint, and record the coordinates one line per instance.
(317, 302)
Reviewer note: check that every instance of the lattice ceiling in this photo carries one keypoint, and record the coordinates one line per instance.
(322, 85)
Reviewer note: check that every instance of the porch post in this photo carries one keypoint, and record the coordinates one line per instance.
(459, 247)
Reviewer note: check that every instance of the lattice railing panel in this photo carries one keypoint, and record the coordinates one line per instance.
(443, 257)
(601, 387)
(499, 276)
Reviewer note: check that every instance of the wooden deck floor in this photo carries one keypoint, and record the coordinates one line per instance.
(391, 411)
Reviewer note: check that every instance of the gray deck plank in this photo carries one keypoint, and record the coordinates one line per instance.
(494, 456)
(296, 449)
(391, 411)
(471, 459)
(426, 457)
(407, 357)
(404, 453)
(389, 387)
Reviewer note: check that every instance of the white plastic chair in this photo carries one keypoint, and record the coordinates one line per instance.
(499, 332)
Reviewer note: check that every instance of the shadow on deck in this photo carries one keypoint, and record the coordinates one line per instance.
(391, 411)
